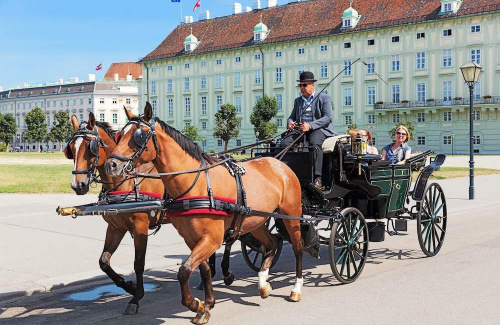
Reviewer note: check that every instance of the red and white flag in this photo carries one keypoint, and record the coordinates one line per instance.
(99, 67)
(197, 4)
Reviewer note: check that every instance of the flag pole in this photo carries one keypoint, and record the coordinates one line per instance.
(181, 11)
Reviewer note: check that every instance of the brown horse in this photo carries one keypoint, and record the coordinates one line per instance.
(270, 185)
(89, 152)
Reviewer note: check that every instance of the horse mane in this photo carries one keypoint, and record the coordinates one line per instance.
(191, 148)
(107, 128)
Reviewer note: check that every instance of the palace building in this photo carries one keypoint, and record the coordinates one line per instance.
(409, 52)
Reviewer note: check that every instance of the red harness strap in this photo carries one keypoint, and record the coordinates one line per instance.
(192, 212)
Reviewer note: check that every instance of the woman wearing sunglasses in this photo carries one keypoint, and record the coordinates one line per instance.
(398, 151)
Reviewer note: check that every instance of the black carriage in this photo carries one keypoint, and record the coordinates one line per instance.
(360, 187)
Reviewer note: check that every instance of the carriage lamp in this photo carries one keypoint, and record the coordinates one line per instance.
(471, 71)
(359, 148)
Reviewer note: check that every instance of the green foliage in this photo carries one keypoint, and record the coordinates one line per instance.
(37, 128)
(352, 126)
(192, 133)
(3, 147)
(61, 130)
(265, 109)
(226, 124)
(408, 125)
(7, 128)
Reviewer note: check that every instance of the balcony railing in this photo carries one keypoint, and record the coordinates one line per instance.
(439, 102)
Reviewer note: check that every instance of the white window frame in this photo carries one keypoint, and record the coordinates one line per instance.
(218, 102)
(371, 92)
(447, 59)
(420, 117)
(257, 79)
(237, 103)
(396, 118)
(278, 54)
(237, 79)
(372, 119)
(475, 29)
(395, 63)
(421, 64)
(279, 74)
(347, 119)
(370, 65)
(279, 101)
(301, 51)
(218, 81)
(324, 70)
(204, 101)
(203, 82)
(447, 116)
(421, 88)
(323, 48)
(347, 96)
(170, 105)
(475, 56)
(395, 93)
(447, 90)
(348, 65)
(153, 87)
(187, 83)
(170, 85)
(187, 106)
(421, 140)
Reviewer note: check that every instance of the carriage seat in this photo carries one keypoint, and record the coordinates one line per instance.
(329, 143)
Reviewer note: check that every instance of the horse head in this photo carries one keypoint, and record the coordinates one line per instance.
(88, 147)
(135, 147)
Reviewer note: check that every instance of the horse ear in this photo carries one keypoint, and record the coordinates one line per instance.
(91, 123)
(128, 113)
(148, 112)
(74, 122)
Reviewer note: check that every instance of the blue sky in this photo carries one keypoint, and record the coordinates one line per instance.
(43, 41)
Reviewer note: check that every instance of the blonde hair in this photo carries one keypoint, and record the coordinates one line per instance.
(407, 133)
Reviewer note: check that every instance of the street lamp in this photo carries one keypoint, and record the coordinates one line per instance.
(470, 72)
(452, 141)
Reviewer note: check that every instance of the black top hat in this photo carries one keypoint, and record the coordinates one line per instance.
(306, 76)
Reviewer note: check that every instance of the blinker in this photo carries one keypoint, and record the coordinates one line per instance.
(140, 137)
(94, 147)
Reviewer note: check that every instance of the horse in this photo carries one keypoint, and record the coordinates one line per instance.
(270, 185)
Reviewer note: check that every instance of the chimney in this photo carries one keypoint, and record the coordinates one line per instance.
(204, 15)
(1, 88)
(91, 77)
(73, 80)
(236, 8)
(188, 19)
(272, 3)
(256, 4)
(61, 81)
(129, 77)
(248, 9)
(116, 76)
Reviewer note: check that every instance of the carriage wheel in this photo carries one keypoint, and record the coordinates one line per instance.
(348, 247)
(431, 220)
(253, 251)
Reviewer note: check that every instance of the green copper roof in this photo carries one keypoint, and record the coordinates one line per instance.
(349, 13)
(191, 39)
(260, 27)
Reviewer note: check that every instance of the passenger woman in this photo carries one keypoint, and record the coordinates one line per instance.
(398, 151)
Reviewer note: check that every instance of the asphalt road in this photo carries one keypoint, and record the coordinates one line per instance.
(398, 284)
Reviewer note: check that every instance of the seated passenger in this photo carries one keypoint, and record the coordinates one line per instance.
(398, 151)
(367, 136)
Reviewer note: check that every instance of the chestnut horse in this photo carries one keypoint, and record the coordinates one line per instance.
(270, 185)
(87, 154)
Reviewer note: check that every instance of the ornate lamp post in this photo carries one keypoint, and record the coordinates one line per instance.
(470, 72)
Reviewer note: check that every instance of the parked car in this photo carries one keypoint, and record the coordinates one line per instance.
(15, 149)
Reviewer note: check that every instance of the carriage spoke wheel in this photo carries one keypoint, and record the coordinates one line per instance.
(431, 220)
(253, 252)
(348, 247)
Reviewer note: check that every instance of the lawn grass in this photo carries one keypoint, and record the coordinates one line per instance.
(33, 155)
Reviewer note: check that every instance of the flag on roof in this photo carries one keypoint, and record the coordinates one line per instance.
(197, 4)
(99, 67)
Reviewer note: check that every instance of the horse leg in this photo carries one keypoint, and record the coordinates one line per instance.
(202, 318)
(211, 262)
(113, 239)
(263, 235)
(293, 228)
(199, 254)
(228, 276)
(140, 243)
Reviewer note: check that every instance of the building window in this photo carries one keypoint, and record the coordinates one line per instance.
(447, 139)
(187, 106)
(395, 39)
(475, 56)
(347, 45)
(170, 107)
(186, 65)
(169, 68)
(101, 117)
(204, 125)
(153, 87)
(203, 63)
(475, 28)
(446, 7)
(81, 102)
(421, 92)
(101, 101)
(420, 35)
(324, 70)
(169, 85)
(256, 37)
(257, 56)
(300, 69)
(421, 141)
(477, 139)
(370, 66)
(218, 62)
(302, 51)
(447, 116)
(420, 60)
(237, 79)
(396, 118)
(154, 105)
(279, 101)
(477, 90)
(203, 82)
(237, 59)
(127, 101)
(476, 115)
(203, 105)
(279, 75)
(395, 63)
(48, 105)
(374, 141)
(257, 98)
(372, 119)
(218, 102)
(395, 94)
(218, 81)
(115, 100)
(153, 70)
(257, 77)
(237, 103)
(278, 54)
(323, 48)
(447, 90)
(446, 32)
(347, 96)
(347, 119)
(115, 118)
(279, 122)
(90, 102)
(348, 68)
(370, 95)
(219, 142)
(446, 58)
(420, 117)
(371, 42)
(186, 83)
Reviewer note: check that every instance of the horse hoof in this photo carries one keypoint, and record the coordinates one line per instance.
(200, 286)
(228, 280)
(266, 291)
(295, 296)
(131, 309)
(201, 317)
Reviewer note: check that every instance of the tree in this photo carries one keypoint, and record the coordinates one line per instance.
(352, 126)
(37, 128)
(7, 129)
(226, 124)
(61, 130)
(192, 133)
(407, 124)
(265, 109)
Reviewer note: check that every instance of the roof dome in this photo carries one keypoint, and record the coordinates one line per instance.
(260, 28)
(349, 13)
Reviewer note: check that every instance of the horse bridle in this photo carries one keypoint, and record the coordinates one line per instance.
(141, 139)
(95, 143)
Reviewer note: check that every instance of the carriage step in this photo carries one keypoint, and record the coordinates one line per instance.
(401, 225)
